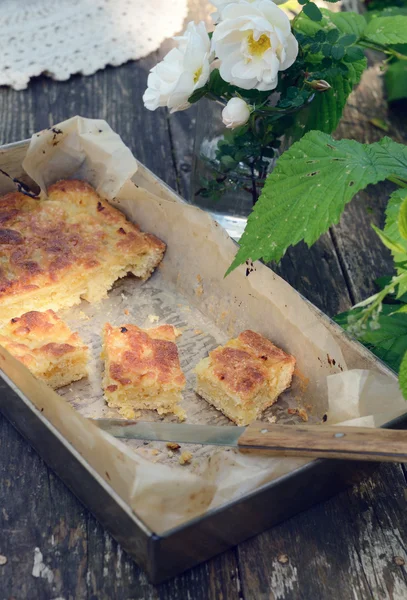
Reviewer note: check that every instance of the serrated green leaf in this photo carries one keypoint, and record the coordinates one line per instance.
(387, 30)
(309, 188)
(402, 219)
(312, 11)
(345, 22)
(396, 80)
(403, 376)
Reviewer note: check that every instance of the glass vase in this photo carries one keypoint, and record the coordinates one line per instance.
(226, 180)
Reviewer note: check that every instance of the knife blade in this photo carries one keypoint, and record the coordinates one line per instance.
(312, 441)
(171, 432)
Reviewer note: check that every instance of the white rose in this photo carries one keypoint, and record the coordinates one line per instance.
(235, 113)
(220, 5)
(183, 70)
(254, 42)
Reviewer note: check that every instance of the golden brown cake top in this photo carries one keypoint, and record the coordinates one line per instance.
(143, 357)
(73, 228)
(37, 335)
(247, 363)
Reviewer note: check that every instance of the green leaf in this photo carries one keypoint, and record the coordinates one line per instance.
(389, 340)
(345, 22)
(348, 39)
(391, 228)
(309, 188)
(312, 11)
(326, 109)
(393, 246)
(387, 30)
(332, 36)
(402, 220)
(379, 123)
(354, 53)
(197, 95)
(396, 80)
(338, 52)
(403, 376)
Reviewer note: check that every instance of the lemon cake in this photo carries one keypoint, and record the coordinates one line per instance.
(142, 369)
(47, 347)
(67, 246)
(244, 377)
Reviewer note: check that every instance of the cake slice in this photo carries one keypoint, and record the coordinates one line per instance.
(244, 377)
(47, 347)
(142, 369)
(69, 245)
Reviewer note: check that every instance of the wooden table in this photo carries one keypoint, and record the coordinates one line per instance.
(351, 547)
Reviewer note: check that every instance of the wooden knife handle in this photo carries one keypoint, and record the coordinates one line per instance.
(326, 441)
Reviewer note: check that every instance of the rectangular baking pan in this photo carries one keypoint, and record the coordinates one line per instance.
(164, 556)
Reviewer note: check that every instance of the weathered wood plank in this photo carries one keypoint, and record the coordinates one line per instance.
(347, 547)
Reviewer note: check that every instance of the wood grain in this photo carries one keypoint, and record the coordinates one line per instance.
(325, 441)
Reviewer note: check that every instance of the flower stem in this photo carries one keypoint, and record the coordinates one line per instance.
(253, 178)
(381, 48)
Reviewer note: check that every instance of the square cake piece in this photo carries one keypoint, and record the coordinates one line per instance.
(142, 369)
(47, 347)
(67, 246)
(244, 377)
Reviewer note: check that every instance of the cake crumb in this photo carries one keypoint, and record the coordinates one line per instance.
(124, 297)
(185, 458)
(272, 419)
(170, 454)
(3, 559)
(173, 446)
(283, 559)
(154, 452)
(126, 311)
(153, 318)
(83, 316)
(198, 331)
(301, 412)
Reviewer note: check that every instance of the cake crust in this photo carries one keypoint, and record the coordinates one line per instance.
(46, 346)
(68, 246)
(244, 377)
(142, 369)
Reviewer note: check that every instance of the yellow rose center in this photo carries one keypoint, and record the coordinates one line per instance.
(197, 74)
(258, 48)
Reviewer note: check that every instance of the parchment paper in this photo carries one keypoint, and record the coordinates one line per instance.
(189, 291)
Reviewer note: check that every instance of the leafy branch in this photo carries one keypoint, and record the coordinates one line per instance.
(309, 188)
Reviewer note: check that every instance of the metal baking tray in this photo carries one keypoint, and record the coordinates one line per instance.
(166, 555)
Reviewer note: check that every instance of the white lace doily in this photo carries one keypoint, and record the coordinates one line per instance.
(63, 37)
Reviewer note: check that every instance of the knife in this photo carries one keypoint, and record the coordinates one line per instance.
(308, 441)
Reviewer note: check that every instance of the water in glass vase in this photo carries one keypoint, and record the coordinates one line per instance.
(229, 168)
